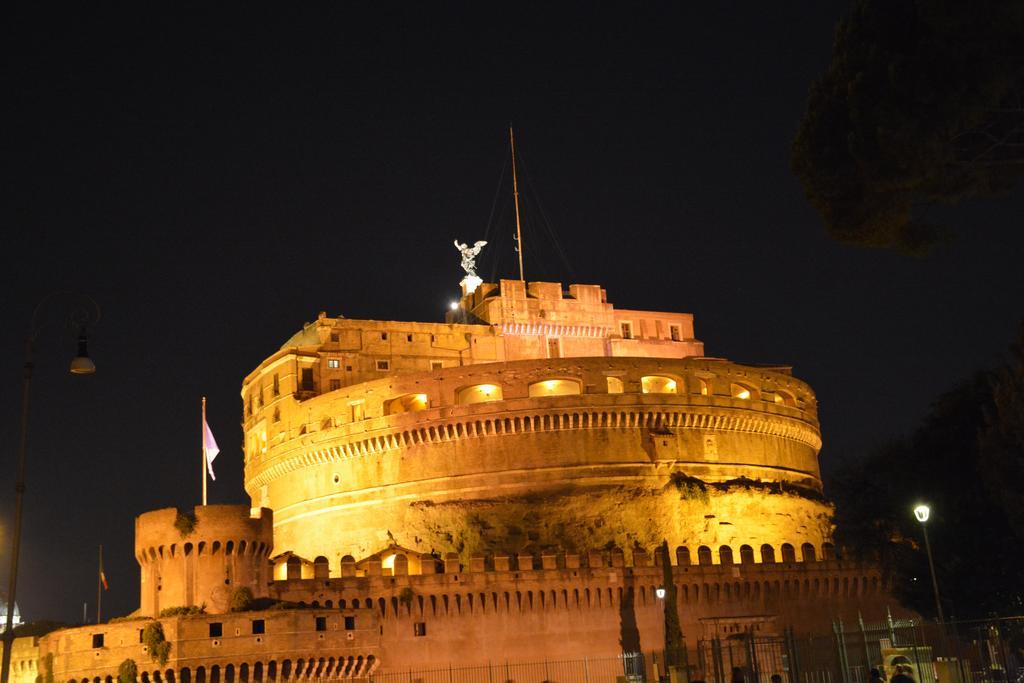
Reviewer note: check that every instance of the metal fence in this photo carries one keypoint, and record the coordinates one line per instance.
(960, 652)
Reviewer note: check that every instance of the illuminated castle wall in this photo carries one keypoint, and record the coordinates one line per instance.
(492, 488)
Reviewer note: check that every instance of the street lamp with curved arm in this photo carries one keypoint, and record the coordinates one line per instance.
(922, 512)
(85, 311)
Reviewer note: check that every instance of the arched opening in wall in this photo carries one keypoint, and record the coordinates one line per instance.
(746, 554)
(169, 676)
(478, 393)
(657, 384)
(683, 556)
(408, 403)
(257, 672)
(144, 678)
(272, 670)
(554, 387)
(788, 553)
(286, 669)
(703, 555)
(828, 551)
(201, 675)
(767, 554)
(215, 548)
(784, 398)
(615, 385)
(741, 391)
(808, 552)
(185, 675)
(243, 672)
(725, 554)
(294, 568)
(229, 547)
(701, 386)
(321, 569)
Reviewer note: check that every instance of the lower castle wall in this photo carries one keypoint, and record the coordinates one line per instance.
(465, 618)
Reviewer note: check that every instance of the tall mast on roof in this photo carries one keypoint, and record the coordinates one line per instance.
(515, 191)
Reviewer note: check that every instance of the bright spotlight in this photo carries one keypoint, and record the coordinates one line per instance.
(454, 306)
(921, 512)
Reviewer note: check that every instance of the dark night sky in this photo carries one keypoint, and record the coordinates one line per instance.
(214, 181)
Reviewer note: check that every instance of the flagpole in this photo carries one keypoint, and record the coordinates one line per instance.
(202, 451)
(99, 588)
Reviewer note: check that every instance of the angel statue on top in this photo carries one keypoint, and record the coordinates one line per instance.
(471, 281)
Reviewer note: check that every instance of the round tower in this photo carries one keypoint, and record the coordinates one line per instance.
(190, 560)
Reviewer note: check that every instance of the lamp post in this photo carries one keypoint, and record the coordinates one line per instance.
(81, 364)
(922, 512)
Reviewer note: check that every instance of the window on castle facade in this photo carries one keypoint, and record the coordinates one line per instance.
(383, 365)
(333, 363)
(307, 379)
(216, 629)
(350, 623)
(258, 626)
(673, 332)
(335, 384)
(97, 640)
(321, 623)
(627, 330)
(335, 336)
(419, 628)
(436, 364)
(277, 385)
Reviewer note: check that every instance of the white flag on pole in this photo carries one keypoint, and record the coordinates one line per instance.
(210, 447)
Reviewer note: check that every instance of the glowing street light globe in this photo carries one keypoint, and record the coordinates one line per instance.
(660, 592)
(921, 512)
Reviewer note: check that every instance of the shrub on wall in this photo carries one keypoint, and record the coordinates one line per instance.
(153, 638)
(128, 672)
(185, 523)
(241, 599)
(183, 611)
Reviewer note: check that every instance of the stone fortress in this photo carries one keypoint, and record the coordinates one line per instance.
(491, 488)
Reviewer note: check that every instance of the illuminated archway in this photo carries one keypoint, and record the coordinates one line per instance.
(479, 393)
(409, 403)
(554, 387)
(657, 384)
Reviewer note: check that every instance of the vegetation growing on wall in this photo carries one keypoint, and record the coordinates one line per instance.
(241, 599)
(153, 638)
(185, 522)
(405, 596)
(46, 669)
(128, 672)
(183, 611)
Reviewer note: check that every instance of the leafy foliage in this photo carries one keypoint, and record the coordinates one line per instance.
(922, 103)
(153, 638)
(183, 610)
(185, 523)
(241, 599)
(965, 462)
(405, 596)
(128, 672)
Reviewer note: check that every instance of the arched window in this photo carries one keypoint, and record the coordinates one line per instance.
(808, 552)
(741, 391)
(702, 386)
(746, 554)
(479, 393)
(657, 384)
(409, 403)
(703, 555)
(615, 385)
(767, 554)
(784, 398)
(683, 556)
(725, 554)
(321, 569)
(828, 551)
(554, 387)
(788, 553)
